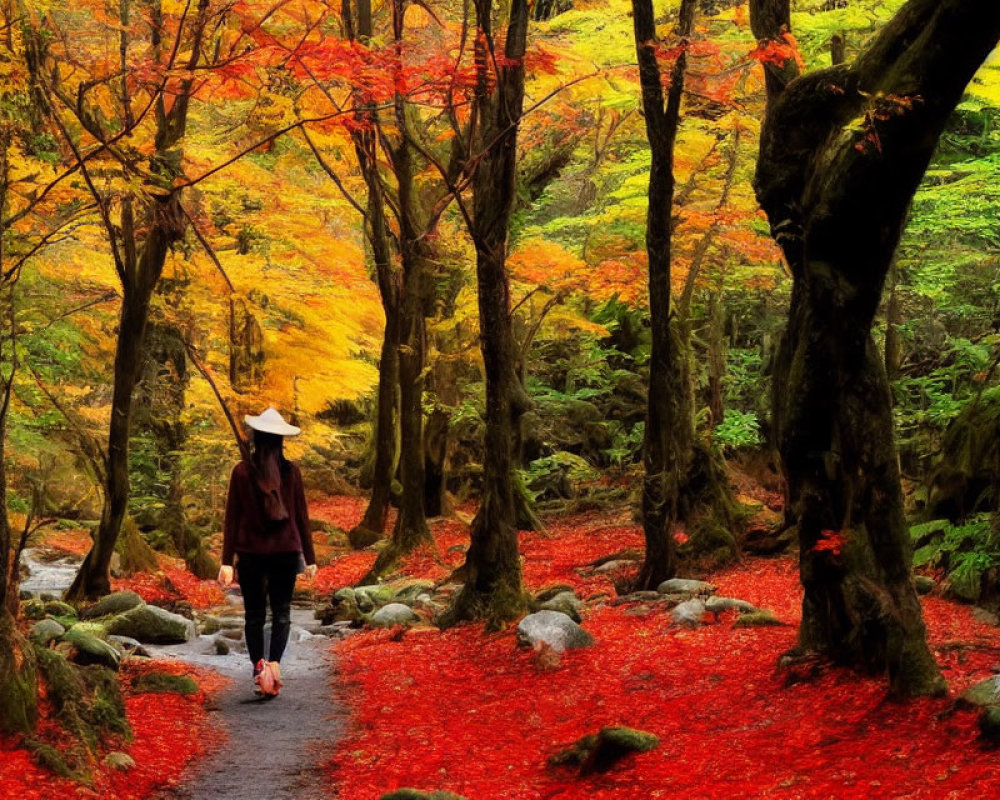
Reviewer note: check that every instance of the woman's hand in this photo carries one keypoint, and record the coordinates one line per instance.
(225, 575)
(310, 572)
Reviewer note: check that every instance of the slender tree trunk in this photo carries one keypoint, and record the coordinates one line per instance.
(18, 681)
(94, 577)
(387, 436)
(411, 524)
(668, 435)
(837, 205)
(386, 428)
(139, 271)
(493, 589)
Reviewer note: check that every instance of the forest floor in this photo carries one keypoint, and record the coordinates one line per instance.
(473, 713)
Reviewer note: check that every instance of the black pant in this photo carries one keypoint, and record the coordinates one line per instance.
(266, 578)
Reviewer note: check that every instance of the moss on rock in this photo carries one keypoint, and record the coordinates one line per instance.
(165, 683)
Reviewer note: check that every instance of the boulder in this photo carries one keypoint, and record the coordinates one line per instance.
(57, 608)
(129, 645)
(551, 591)
(984, 693)
(214, 624)
(409, 592)
(393, 614)
(164, 683)
(923, 584)
(371, 597)
(114, 603)
(153, 625)
(690, 612)
(553, 628)
(119, 762)
(416, 794)
(616, 565)
(45, 631)
(566, 602)
(598, 752)
(716, 605)
(761, 618)
(685, 586)
(91, 650)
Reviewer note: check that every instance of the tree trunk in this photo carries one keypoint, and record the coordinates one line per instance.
(837, 203)
(493, 589)
(387, 435)
(668, 435)
(411, 524)
(386, 428)
(139, 271)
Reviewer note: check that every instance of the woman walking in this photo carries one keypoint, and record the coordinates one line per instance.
(267, 534)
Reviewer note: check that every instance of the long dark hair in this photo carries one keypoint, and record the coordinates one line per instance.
(269, 466)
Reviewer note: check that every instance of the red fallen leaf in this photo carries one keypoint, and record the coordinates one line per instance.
(460, 692)
(830, 541)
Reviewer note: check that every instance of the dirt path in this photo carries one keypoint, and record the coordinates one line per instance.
(273, 748)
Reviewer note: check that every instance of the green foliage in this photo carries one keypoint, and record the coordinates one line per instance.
(965, 552)
(557, 476)
(737, 431)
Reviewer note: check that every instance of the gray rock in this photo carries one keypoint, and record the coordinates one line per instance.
(554, 629)
(923, 584)
(566, 602)
(45, 631)
(153, 625)
(642, 596)
(685, 585)
(91, 650)
(984, 693)
(409, 593)
(118, 761)
(716, 605)
(213, 624)
(393, 614)
(114, 603)
(129, 645)
(614, 566)
(690, 612)
(985, 616)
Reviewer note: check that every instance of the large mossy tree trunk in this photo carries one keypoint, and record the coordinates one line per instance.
(668, 433)
(139, 260)
(837, 199)
(493, 588)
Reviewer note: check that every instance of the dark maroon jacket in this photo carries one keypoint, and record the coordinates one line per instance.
(246, 528)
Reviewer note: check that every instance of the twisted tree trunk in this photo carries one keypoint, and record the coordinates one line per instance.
(837, 199)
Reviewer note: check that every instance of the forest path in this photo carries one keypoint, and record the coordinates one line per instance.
(273, 749)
